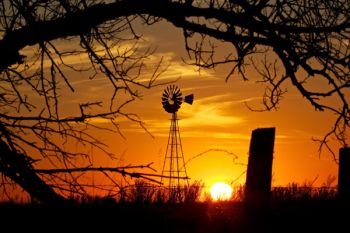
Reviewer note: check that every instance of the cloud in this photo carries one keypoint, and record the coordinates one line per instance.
(99, 120)
(206, 112)
(211, 111)
(173, 68)
(208, 117)
(221, 135)
(211, 114)
(78, 57)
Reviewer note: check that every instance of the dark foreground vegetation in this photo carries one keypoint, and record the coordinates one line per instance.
(292, 209)
(286, 216)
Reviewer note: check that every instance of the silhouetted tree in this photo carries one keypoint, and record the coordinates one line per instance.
(305, 43)
(34, 124)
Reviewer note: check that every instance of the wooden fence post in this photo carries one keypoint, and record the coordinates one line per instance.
(259, 171)
(344, 173)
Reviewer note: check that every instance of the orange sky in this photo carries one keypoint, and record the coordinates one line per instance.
(218, 119)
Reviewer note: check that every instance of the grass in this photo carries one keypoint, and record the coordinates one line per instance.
(194, 217)
(148, 208)
(295, 192)
(144, 193)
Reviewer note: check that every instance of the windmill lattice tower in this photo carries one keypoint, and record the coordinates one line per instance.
(174, 172)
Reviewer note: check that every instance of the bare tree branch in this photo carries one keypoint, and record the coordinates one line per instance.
(301, 42)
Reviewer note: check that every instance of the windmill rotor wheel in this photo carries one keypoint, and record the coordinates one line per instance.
(172, 99)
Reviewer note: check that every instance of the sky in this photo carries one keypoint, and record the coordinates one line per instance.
(215, 129)
(218, 123)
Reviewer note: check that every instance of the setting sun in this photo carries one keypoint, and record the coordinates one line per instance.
(221, 191)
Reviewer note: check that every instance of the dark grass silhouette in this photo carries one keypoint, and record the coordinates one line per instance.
(277, 40)
(293, 209)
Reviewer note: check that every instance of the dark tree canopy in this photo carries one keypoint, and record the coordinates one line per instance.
(310, 40)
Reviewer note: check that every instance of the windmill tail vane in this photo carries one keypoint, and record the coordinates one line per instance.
(189, 99)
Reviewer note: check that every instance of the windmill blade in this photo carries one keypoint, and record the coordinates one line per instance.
(177, 102)
(179, 98)
(177, 91)
(189, 99)
(165, 95)
(177, 95)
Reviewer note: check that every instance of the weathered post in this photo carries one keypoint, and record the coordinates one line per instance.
(344, 173)
(259, 172)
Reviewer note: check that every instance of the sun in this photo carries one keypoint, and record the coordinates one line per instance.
(220, 191)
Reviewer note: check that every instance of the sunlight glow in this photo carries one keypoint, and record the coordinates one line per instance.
(221, 191)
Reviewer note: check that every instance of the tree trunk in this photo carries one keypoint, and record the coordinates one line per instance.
(17, 167)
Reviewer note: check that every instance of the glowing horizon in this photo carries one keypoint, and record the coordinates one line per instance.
(218, 122)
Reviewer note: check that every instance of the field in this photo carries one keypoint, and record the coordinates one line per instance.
(292, 210)
(309, 216)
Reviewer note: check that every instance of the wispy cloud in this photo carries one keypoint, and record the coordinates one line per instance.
(221, 135)
(210, 114)
(173, 68)
(79, 57)
(99, 120)
(208, 117)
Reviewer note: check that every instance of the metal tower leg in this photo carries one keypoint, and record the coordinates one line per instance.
(174, 174)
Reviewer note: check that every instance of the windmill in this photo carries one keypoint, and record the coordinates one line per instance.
(174, 172)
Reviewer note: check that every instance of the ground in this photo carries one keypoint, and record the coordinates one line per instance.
(221, 217)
